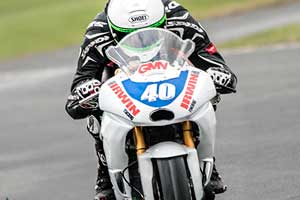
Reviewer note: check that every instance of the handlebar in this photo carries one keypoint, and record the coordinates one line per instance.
(229, 89)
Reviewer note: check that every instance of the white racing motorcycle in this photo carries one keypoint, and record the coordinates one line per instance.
(159, 105)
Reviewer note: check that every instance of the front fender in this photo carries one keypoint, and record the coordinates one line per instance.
(165, 150)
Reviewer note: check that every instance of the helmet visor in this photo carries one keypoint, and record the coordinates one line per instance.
(120, 33)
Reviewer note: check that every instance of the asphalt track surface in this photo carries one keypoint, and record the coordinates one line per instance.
(46, 155)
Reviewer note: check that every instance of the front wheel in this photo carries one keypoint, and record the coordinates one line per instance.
(171, 179)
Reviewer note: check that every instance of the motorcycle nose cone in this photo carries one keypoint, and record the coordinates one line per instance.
(161, 114)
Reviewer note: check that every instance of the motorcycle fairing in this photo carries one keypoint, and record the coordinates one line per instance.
(114, 130)
(115, 98)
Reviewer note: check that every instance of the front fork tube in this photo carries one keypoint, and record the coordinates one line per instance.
(188, 134)
(139, 140)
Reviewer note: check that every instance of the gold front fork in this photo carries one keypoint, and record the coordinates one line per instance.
(188, 134)
(139, 140)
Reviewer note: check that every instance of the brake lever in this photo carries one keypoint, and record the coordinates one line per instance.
(88, 98)
(82, 101)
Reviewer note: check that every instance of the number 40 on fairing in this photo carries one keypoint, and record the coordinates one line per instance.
(164, 91)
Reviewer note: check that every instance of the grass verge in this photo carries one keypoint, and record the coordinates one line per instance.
(38, 25)
(286, 34)
(218, 8)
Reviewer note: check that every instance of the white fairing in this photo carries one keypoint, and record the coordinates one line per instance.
(114, 131)
(115, 99)
(166, 83)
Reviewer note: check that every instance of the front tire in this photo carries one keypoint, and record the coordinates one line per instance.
(171, 181)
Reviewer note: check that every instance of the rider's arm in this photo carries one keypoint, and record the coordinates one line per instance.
(92, 58)
(91, 63)
(205, 55)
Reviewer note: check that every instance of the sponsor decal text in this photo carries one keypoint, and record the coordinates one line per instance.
(131, 110)
(138, 18)
(157, 65)
(188, 103)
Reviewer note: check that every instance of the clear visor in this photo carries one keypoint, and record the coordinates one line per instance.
(120, 33)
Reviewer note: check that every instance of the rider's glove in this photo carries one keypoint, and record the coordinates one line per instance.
(221, 77)
(84, 99)
(87, 94)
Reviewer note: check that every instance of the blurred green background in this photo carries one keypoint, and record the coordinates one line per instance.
(32, 26)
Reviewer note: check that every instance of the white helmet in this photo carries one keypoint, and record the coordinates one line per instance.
(126, 16)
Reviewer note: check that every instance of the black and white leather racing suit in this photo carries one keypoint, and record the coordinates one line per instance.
(93, 63)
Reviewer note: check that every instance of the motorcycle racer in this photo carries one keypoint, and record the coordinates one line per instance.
(120, 18)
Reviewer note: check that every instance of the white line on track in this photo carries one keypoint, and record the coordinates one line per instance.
(15, 79)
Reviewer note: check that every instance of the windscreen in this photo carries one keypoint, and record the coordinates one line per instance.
(156, 46)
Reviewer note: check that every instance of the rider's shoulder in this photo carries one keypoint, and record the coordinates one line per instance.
(173, 7)
(99, 23)
(97, 34)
